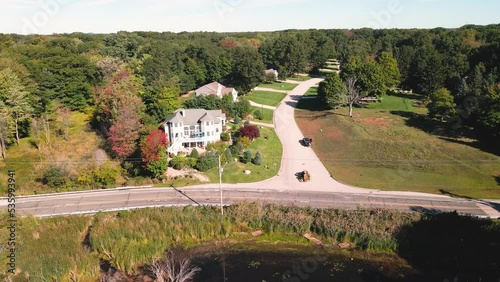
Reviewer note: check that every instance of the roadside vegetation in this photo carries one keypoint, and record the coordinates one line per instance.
(132, 240)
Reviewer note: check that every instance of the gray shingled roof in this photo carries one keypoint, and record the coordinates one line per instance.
(194, 116)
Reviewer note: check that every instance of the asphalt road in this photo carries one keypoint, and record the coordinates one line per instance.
(113, 200)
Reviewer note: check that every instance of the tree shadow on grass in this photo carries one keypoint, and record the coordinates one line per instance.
(452, 247)
(444, 131)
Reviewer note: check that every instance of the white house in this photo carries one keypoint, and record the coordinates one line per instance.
(272, 71)
(189, 128)
(218, 90)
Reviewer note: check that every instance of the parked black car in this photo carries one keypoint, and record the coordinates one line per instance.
(307, 142)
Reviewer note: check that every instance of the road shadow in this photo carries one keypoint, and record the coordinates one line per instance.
(495, 206)
(185, 195)
(452, 247)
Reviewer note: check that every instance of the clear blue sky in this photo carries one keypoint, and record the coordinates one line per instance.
(103, 16)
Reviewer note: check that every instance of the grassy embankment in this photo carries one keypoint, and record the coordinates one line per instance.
(76, 153)
(64, 247)
(390, 146)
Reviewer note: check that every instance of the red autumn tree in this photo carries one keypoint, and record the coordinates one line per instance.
(124, 132)
(152, 145)
(250, 131)
(154, 154)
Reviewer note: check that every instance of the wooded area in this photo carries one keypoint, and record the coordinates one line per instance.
(130, 81)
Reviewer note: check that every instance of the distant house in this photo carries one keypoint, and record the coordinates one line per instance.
(272, 71)
(190, 128)
(218, 90)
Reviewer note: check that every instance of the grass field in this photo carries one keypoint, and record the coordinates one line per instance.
(388, 146)
(285, 86)
(313, 91)
(271, 151)
(266, 98)
(267, 114)
(300, 78)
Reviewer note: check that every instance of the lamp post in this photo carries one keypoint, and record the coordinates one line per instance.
(220, 184)
(220, 187)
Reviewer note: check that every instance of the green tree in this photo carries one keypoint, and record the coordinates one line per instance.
(248, 68)
(389, 68)
(257, 160)
(247, 157)
(332, 92)
(18, 106)
(441, 104)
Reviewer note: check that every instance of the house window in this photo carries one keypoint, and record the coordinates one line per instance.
(208, 123)
(208, 133)
(217, 130)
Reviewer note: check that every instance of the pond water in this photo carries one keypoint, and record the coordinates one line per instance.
(287, 262)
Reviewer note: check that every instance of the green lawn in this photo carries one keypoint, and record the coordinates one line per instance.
(313, 91)
(300, 78)
(266, 97)
(267, 114)
(271, 151)
(285, 86)
(387, 146)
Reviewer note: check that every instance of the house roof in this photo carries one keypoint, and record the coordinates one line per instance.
(194, 116)
(271, 71)
(210, 88)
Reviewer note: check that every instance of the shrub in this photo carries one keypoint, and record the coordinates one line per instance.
(247, 157)
(229, 156)
(100, 177)
(247, 122)
(158, 167)
(258, 115)
(225, 136)
(237, 120)
(207, 162)
(181, 162)
(257, 160)
(250, 131)
(244, 142)
(194, 153)
(236, 149)
(55, 176)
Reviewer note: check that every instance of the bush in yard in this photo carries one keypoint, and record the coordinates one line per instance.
(250, 131)
(245, 142)
(229, 156)
(207, 162)
(225, 136)
(247, 122)
(236, 149)
(55, 176)
(258, 115)
(237, 120)
(194, 154)
(247, 157)
(257, 160)
(181, 162)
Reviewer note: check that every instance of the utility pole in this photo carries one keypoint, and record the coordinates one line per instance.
(220, 188)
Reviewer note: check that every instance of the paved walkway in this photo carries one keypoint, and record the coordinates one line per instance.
(270, 125)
